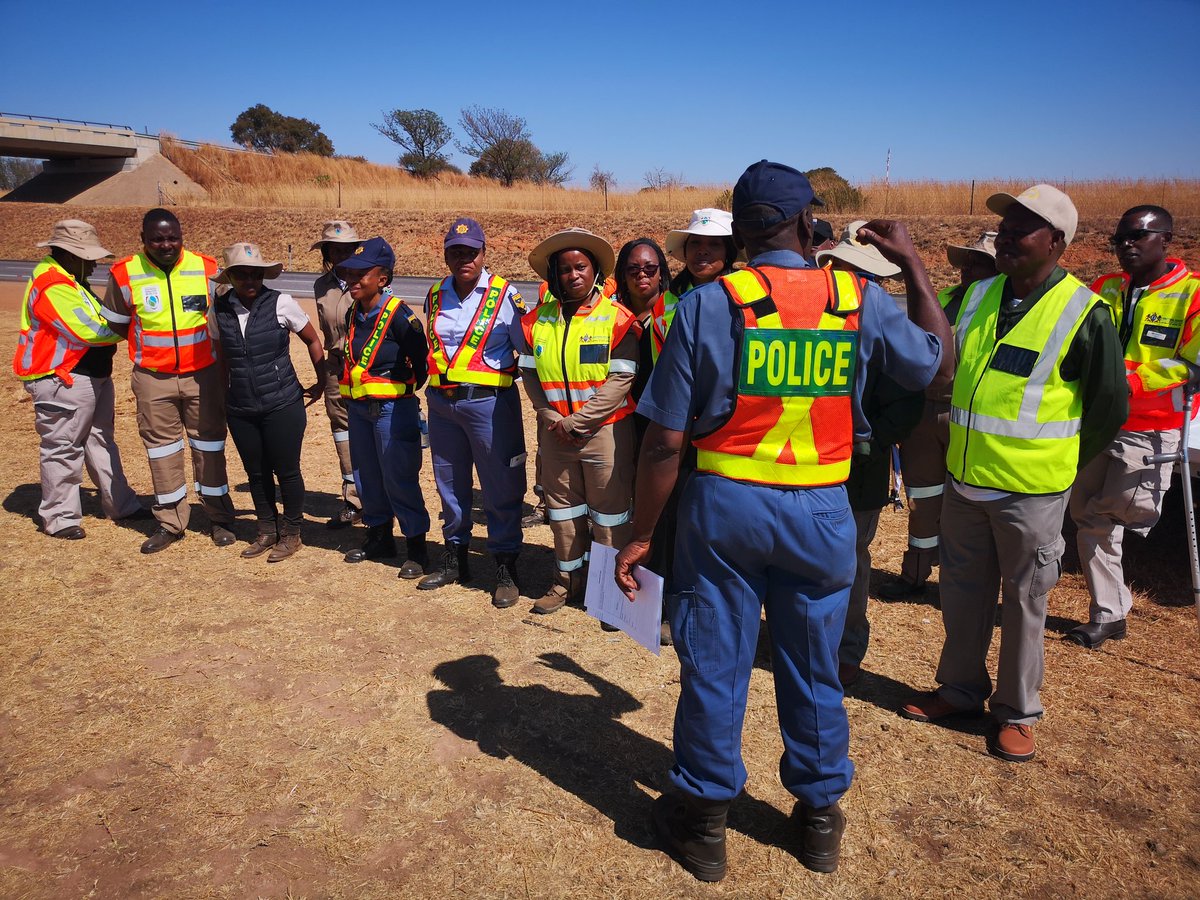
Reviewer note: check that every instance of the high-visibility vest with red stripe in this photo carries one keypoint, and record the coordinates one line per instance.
(1157, 339)
(468, 365)
(60, 322)
(169, 332)
(662, 314)
(573, 362)
(794, 366)
(357, 381)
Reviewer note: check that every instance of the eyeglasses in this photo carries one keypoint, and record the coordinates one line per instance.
(649, 270)
(1133, 235)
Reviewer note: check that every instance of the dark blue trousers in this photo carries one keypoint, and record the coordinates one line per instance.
(385, 449)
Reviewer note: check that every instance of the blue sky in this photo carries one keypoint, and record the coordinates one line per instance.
(1027, 90)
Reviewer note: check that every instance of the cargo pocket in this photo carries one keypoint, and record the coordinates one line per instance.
(1049, 567)
(696, 622)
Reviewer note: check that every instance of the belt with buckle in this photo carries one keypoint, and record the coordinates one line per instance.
(453, 392)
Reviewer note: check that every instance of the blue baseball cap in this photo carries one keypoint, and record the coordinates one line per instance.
(372, 253)
(782, 188)
(465, 233)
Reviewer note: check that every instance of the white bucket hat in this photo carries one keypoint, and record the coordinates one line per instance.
(853, 252)
(712, 222)
(246, 255)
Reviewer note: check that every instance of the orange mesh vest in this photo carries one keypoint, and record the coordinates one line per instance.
(795, 361)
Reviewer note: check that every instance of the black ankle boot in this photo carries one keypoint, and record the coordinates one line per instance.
(418, 558)
(821, 830)
(693, 831)
(451, 568)
(379, 543)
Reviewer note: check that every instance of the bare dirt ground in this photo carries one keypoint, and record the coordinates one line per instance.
(198, 725)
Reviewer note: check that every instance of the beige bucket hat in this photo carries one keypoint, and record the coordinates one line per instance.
(572, 239)
(864, 257)
(246, 255)
(337, 231)
(959, 255)
(708, 221)
(1043, 200)
(78, 237)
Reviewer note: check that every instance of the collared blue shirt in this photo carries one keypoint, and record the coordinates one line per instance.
(694, 379)
(455, 316)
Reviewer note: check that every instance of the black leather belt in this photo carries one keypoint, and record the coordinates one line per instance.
(453, 392)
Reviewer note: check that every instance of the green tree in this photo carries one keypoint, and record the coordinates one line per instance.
(423, 134)
(265, 129)
(834, 190)
(503, 149)
(15, 171)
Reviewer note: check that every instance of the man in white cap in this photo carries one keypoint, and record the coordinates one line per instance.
(65, 357)
(923, 453)
(1038, 392)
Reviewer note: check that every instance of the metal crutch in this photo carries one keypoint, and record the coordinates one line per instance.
(1181, 456)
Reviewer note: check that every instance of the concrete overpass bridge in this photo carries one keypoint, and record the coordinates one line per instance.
(91, 163)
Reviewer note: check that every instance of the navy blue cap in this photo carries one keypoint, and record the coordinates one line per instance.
(782, 188)
(465, 233)
(375, 252)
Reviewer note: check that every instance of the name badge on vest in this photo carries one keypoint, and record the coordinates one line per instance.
(151, 299)
(1159, 336)
(797, 362)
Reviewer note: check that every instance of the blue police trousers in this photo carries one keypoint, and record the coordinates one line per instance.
(385, 449)
(741, 547)
(486, 433)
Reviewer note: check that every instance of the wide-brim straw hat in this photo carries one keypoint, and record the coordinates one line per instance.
(710, 222)
(863, 257)
(77, 237)
(959, 255)
(247, 255)
(337, 231)
(572, 239)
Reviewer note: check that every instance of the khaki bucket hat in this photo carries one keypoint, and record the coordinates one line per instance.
(572, 239)
(959, 255)
(78, 237)
(850, 250)
(246, 255)
(337, 231)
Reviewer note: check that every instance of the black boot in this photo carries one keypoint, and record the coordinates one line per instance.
(693, 831)
(418, 558)
(451, 569)
(508, 582)
(379, 543)
(821, 830)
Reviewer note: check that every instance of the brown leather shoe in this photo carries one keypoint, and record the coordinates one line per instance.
(160, 540)
(551, 601)
(222, 536)
(287, 545)
(508, 585)
(1014, 742)
(264, 542)
(930, 707)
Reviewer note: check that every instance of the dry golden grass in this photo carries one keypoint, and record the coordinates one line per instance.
(1092, 198)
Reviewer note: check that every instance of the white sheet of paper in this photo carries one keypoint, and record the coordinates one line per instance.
(603, 599)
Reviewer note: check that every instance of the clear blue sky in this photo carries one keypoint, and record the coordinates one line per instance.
(1030, 90)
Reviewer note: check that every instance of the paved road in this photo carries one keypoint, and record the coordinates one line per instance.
(298, 284)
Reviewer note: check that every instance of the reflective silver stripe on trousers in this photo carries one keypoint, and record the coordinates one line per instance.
(923, 493)
(567, 513)
(207, 446)
(610, 520)
(571, 565)
(173, 497)
(205, 491)
(166, 450)
(923, 543)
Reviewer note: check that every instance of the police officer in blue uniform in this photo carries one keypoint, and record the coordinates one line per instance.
(474, 410)
(764, 520)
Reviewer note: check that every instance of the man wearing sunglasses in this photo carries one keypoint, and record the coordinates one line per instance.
(1155, 303)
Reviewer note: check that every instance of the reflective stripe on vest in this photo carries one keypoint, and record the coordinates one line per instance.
(573, 362)
(468, 365)
(661, 316)
(357, 382)
(169, 331)
(1014, 422)
(1154, 335)
(791, 422)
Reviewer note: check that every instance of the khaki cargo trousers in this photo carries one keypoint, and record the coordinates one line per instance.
(923, 461)
(172, 409)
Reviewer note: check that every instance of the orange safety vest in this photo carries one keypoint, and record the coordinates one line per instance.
(572, 363)
(169, 332)
(468, 365)
(795, 360)
(44, 346)
(357, 382)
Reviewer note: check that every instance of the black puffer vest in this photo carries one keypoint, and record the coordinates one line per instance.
(261, 377)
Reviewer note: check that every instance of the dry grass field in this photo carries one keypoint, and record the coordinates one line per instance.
(198, 725)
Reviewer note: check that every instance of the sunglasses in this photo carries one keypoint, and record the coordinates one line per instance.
(1133, 235)
(649, 270)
